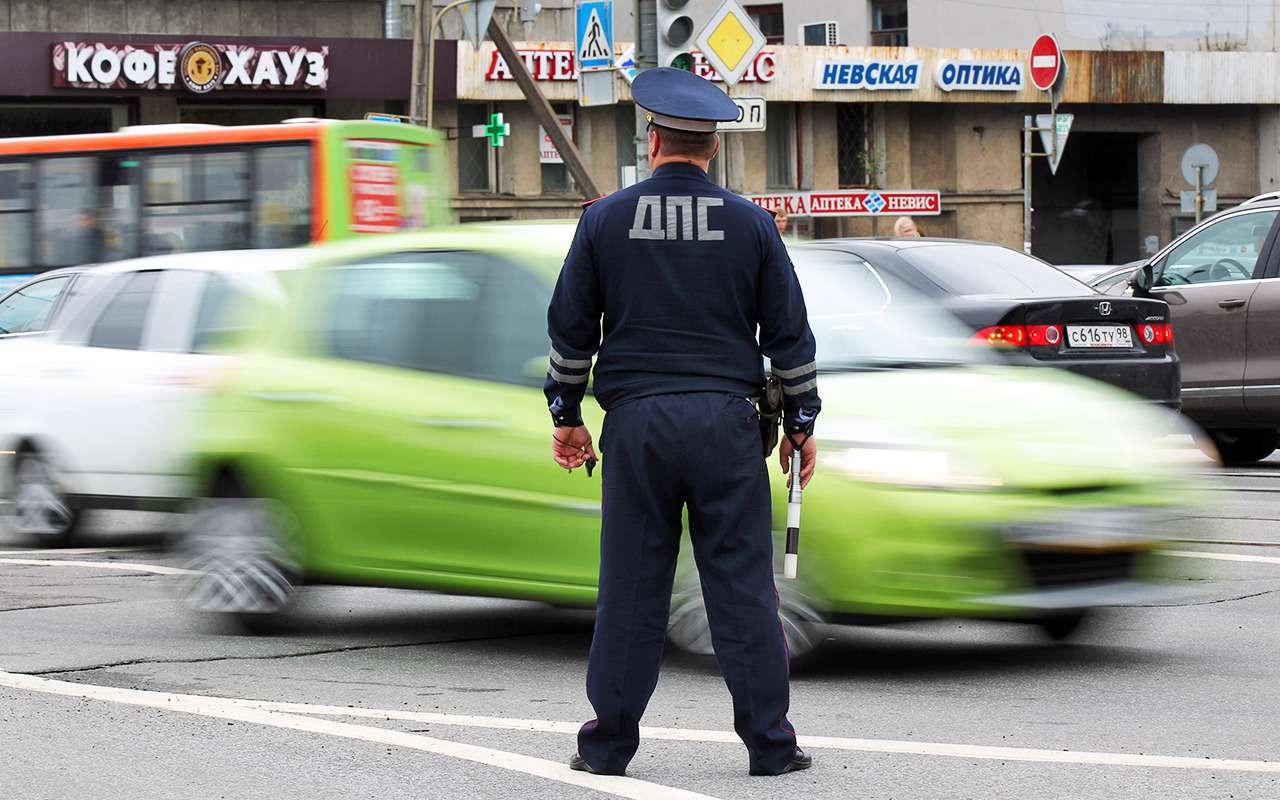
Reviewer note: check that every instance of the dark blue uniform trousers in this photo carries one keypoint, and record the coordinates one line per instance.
(663, 453)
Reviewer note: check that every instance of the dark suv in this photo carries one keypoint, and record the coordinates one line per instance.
(1222, 283)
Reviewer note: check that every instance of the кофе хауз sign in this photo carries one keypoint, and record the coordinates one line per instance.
(197, 67)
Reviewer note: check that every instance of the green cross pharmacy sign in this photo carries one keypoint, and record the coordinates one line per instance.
(496, 131)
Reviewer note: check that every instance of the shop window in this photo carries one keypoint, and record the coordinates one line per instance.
(851, 144)
(555, 175)
(474, 172)
(889, 23)
(196, 201)
(282, 196)
(61, 119)
(768, 18)
(224, 114)
(624, 127)
(15, 214)
(780, 146)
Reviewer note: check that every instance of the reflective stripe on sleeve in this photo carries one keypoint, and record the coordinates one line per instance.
(569, 363)
(800, 388)
(563, 378)
(812, 366)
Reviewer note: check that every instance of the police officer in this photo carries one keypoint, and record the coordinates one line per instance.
(683, 274)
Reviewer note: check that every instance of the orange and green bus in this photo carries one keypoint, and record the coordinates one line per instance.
(151, 189)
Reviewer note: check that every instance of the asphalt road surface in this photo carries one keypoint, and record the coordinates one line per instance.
(109, 690)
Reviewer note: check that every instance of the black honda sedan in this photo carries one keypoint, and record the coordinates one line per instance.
(1032, 312)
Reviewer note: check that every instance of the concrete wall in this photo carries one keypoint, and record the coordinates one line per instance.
(854, 18)
(1094, 24)
(347, 18)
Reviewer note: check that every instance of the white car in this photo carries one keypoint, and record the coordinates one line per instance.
(96, 413)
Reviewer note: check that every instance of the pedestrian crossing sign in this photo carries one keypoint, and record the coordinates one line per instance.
(594, 34)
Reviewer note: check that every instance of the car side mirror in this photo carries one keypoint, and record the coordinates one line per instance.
(1142, 280)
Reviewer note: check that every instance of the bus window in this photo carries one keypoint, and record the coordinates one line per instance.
(15, 215)
(282, 196)
(68, 231)
(196, 201)
(118, 206)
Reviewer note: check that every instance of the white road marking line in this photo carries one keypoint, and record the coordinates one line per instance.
(1223, 556)
(986, 752)
(123, 566)
(227, 708)
(69, 551)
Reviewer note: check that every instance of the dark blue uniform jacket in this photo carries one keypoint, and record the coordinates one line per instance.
(686, 276)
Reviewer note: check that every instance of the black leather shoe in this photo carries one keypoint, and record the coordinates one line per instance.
(801, 760)
(580, 764)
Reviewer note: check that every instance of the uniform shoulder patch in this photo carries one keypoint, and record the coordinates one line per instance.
(588, 203)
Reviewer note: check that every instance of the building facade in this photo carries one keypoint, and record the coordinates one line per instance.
(933, 119)
(900, 104)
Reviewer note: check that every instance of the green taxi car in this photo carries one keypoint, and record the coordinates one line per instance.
(387, 428)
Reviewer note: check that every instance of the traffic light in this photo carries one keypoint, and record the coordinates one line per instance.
(679, 22)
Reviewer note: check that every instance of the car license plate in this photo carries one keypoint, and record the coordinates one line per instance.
(1099, 336)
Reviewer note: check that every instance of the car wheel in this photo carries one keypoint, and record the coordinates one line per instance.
(689, 629)
(1244, 446)
(1061, 627)
(41, 509)
(238, 548)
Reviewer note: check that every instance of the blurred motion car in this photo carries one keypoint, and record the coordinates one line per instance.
(387, 428)
(1221, 281)
(95, 413)
(34, 305)
(1033, 313)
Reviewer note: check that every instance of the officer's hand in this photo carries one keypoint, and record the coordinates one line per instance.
(572, 447)
(808, 457)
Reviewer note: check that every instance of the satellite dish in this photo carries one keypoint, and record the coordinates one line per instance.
(1200, 155)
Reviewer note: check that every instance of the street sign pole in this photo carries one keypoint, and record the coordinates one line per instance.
(1026, 184)
(1199, 193)
(1047, 70)
(646, 58)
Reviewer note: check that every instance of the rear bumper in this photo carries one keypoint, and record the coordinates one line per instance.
(1158, 380)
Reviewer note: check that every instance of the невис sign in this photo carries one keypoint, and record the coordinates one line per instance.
(852, 203)
(198, 66)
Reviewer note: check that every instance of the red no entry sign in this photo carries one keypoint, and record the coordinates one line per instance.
(1046, 62)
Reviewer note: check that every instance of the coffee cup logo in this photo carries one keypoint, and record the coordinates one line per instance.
(201, 67)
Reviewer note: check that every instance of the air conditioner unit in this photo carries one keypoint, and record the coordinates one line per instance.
(819, 34)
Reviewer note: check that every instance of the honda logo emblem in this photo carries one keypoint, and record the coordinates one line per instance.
(1104, 308)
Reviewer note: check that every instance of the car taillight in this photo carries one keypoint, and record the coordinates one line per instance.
(1155, 333)
(1003, 336)
(1020, 335)
(1044, 335)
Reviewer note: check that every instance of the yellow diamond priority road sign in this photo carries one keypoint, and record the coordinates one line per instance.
(730, 41)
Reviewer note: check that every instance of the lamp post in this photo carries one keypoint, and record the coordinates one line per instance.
(429, 45)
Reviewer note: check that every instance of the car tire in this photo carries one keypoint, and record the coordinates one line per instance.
(1244, 446)
(1061, 627)
(689, 629)
(239, 551)
(40, 511)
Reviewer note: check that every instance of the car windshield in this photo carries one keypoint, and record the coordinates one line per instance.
(859, 323)
(985, 269)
